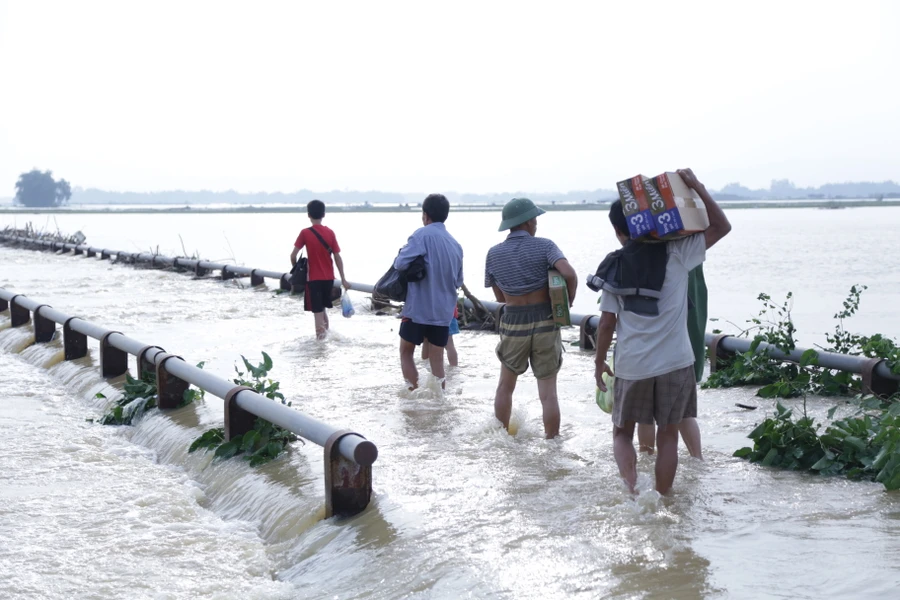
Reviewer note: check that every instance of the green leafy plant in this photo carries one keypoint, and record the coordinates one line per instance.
(865, 445)
(139, 396)
(266, 440)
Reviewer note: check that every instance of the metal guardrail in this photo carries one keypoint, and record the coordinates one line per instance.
(876, 373)
(348, 456)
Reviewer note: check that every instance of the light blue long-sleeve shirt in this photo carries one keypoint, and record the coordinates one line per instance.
(432, 300)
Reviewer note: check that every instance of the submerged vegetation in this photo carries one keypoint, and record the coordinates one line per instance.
(864, 445)
(266, 440)
(139, 396)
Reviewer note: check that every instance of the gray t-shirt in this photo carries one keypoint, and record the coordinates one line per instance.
(649, 346)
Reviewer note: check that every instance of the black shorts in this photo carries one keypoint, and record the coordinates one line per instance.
(318, 295)
(415, 333)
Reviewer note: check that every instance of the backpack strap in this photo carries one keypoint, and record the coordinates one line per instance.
(321, 239)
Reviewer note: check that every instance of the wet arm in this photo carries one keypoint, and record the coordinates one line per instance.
(339, 262)
(294, 256)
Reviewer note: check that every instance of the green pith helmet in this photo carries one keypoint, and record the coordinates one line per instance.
(518, 211)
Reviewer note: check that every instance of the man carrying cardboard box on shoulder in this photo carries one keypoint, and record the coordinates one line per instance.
(517, 270)
(655, 381)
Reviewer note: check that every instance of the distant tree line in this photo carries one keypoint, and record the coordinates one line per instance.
(36, 188)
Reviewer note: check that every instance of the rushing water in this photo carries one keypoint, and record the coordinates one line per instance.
(462, 509)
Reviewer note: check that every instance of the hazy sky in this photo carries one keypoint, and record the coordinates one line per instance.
(446, 96)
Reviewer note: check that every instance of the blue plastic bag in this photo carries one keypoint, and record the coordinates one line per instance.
(347, 305)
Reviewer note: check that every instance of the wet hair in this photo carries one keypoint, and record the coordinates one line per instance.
(437, 207)
(315, 209)
(617, 217)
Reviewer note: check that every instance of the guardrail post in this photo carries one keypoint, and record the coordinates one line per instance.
(237, 420)
(255, 279)
(4, 305)
(76, 251)
(286, 282)
(145, 366)
(586, 337)
(874, 383)
(113, 362)
(74, 343)
(170, 389)
(226, 275)
(44, 329)
(91, 253)
(199, 271)
(718, 355)
(348, 485)
(18, 315)
(104, 254)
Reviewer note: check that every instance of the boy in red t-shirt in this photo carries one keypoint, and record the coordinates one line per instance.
(320, 244)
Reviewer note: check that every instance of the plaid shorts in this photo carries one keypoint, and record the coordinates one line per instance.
(665, 399)
(529, 334)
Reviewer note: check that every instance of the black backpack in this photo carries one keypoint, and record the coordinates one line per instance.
(394, 284)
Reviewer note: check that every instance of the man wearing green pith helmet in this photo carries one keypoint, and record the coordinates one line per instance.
(516, 269)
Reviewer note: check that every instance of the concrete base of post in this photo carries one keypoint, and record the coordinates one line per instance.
(113, 362)
(74, 343)
(348, 485)
(237, 420)
(18, 315)
(169, 388)
(587, 334)
(717, 354)
(44, 329)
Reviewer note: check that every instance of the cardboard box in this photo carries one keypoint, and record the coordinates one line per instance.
(636, 207)
(559, 298)
(684, 212)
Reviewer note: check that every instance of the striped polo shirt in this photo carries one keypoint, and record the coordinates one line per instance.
(519, 264)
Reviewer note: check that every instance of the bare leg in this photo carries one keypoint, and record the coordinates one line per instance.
(426, 347)
(667, 457)
(626, 457)
(503, 398)
(550, 404)
(321, 324)
(452, 358)
(327, 323)
(690, 433)
(407, 364)
(436, 358)
(646, 438)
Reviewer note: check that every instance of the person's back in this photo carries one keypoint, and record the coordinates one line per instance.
(429, 305)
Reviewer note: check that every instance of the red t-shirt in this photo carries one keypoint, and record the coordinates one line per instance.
(320, 266)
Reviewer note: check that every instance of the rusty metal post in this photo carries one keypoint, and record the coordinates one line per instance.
(113, 362)
(90, 253)
(348, 485)
(717, 354)
(586, 337)
(4, 305)
(286, 282)
(19, 315)
(255, 279)
(873, 383)
(104, 254)
(237, 420)
(226, 274)
(44, 329)
(169, 387)
(74, 343)
(144, 365)
(199, 271)
(76, 251)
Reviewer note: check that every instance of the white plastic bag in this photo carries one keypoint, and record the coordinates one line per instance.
(347, 305)
(605, 399)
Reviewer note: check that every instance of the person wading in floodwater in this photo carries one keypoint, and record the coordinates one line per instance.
(654, 360)
(516, 269)
(430, 303)
(320, 243)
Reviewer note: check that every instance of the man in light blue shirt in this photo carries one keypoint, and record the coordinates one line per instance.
(430, 302)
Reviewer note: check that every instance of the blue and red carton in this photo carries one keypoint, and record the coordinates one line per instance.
(661, 207)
